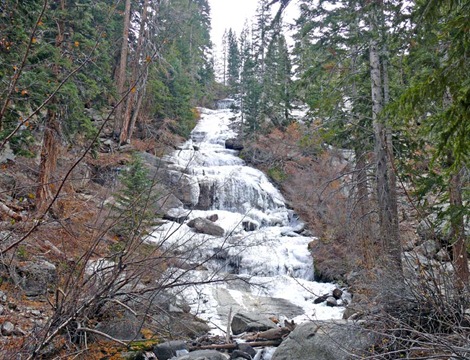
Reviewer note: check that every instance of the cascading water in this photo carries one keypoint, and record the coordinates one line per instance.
(267, 262)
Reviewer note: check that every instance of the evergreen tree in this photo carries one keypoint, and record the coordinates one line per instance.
(233, 63)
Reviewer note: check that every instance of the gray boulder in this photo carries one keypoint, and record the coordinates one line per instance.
(250, 322)
(234, 144)
(201, 355)
(324, 340)
(122, 326)
(7, 328)
(167, 202)
(35, 277)
(205, 226)
(169, 349)
(184, 187)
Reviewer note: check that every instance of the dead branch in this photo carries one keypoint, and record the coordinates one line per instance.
(10, 212)
(233, 346)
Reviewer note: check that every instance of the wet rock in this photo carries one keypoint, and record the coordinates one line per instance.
(247, 349)
(321, 299)
(240, 355)
(202, 355)
(177, 215)
(250, 322)
(205, 226)
(325, 340)
(185, 188)
(35, 277)
(331, 301)
(337, 293)
(7, 328)
(169, 349)
(2, 310)
(234, 144)
(213, 217)
(206, 195)
(249, 225)
(166, 203)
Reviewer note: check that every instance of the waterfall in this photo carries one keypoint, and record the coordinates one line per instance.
(239, 222)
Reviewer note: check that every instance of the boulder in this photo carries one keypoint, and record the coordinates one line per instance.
(6, 154)
(7, 328)
(170, 349)
(428, 249)
(184, 187)
(234, 144)
(240, 355)
(331, 301)
(121, 325)
(442, 255)
(201, 355)
(207, 193)
(249, 225)
(205, 226)
(35, 277)
(213, 217)
(166, 203)
(178, 215)
(250, 322)
(324, 340)
(321, 299)
(337, 293)
(247, 349)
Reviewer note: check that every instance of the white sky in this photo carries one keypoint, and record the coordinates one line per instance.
(227, 14)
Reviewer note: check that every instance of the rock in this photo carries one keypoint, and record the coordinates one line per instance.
(321, 299)
(234, 144)
(35, 277)
(169, 349)
(247, 349)
(3, 297)
(6, 153)
(121, 325)
(442, 255)
(331, 301)
(7, 328)
(250, 322)
(213, 217)
(337, 293)
(184, 187)
(240, 355)
(205, 226)
(166, 203)
(428, 248)
(177, 215)
(2, 310)
(207, 194)
(249, 225)
(324, 340)
(201, 355)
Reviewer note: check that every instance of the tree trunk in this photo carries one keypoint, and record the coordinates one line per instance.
(386, 202)
(459, 248)
(121, 76)
(135, 82)
(49, 153)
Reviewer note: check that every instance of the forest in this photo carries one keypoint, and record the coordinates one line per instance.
(357, 111)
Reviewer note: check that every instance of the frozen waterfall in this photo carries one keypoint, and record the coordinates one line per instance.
(261, 252)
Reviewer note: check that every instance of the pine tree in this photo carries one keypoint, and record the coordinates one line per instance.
(233, 63)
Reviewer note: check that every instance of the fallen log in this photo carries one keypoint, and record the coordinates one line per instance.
(234, 346)
(10, 212)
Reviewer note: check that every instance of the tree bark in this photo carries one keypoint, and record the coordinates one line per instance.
(387, 203)
(121, 76)
(135, 82)
(459, 248)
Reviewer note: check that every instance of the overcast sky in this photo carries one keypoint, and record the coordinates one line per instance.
(233, 13)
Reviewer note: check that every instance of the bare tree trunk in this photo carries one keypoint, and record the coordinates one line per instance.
(49, 153)
(121, 76)
(386, 202)
(457, 223)
(127, 124)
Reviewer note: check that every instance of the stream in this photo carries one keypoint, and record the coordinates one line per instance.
(262, 251)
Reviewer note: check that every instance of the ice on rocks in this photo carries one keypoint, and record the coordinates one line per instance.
(267, 263)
